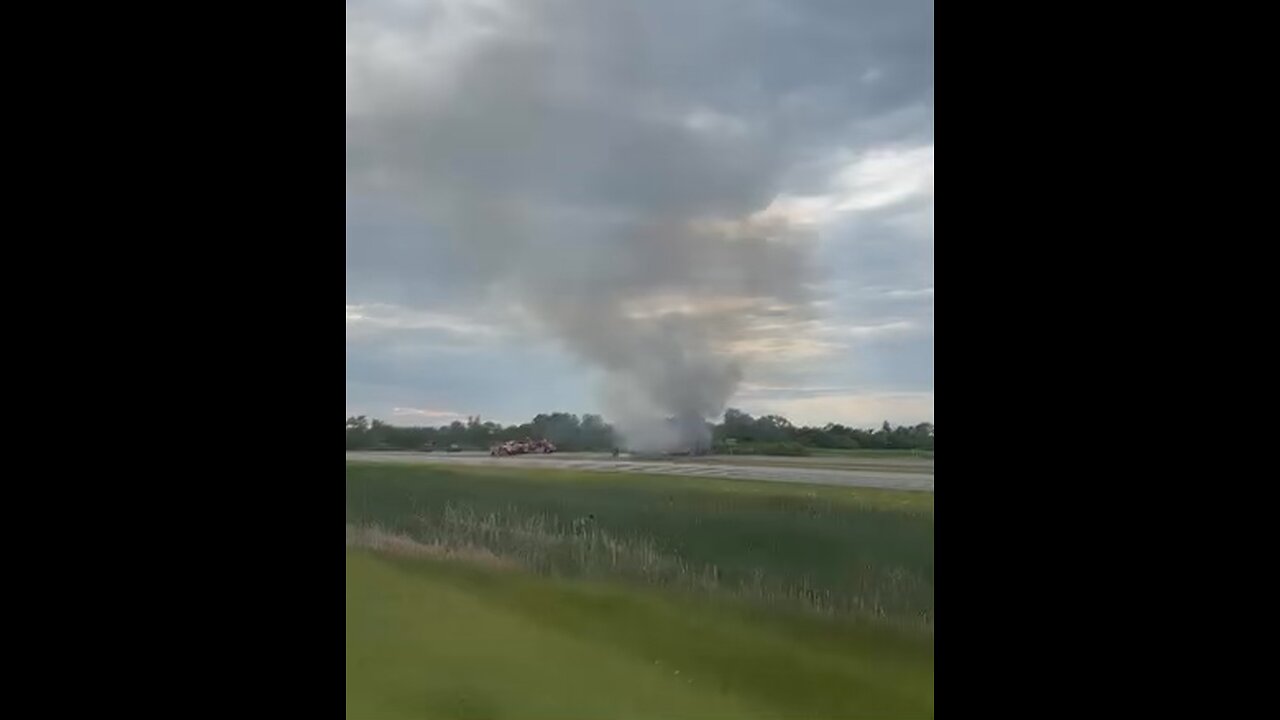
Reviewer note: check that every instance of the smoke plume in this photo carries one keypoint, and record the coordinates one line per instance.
(659, 309)
(576, 169)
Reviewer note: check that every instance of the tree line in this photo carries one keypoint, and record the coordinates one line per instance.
(737, 432)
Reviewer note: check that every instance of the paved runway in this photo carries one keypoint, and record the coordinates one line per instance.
(896, 480)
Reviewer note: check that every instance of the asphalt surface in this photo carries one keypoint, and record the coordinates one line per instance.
(602, 462)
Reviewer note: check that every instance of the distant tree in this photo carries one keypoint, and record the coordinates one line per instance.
(357, 433)
(773, 428)
(770, 434)
(595, 433)
(738, 425)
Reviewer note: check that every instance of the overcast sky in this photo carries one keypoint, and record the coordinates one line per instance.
(540, 190)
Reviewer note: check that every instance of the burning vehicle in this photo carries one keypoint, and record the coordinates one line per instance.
(522, 447)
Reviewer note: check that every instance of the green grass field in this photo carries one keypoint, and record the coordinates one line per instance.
(896, 463)
(680, 598)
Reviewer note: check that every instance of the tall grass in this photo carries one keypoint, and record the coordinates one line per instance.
(580, 547)
(459, 640)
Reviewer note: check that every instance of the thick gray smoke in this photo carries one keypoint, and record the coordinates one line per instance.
(582, 167)
(662, 309)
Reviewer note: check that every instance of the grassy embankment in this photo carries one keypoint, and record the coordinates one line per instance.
(481, 592)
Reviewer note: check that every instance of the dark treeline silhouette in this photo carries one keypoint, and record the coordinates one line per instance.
(568, 432)
(738, 432)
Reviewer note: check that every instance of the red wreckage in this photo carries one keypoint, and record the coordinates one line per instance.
(522, 447)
